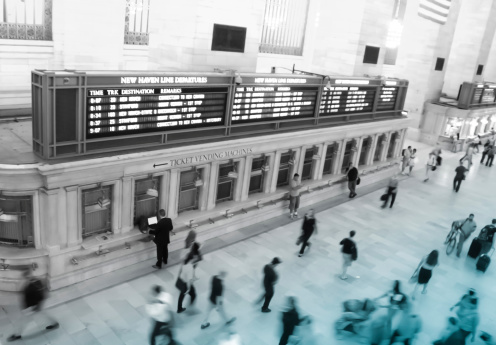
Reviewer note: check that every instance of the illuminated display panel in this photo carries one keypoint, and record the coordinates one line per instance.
(387, 98)
(488, 96)
(347, 100)
(124, 111)
(477, 95)
(269, 102)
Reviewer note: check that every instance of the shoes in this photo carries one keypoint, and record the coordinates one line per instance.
(205, 325)
(427, 179)
(165, 262)
(296, 214)
(300, 255)
(424, 292)
(54, 326)
(391, 206)
(231, 321)
(266, 310)
(343, 277)
(383, 206)
(354, 195)
(179, 311)
(14, 337)
(157, 267)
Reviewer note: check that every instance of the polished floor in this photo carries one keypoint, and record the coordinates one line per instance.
(390, 244)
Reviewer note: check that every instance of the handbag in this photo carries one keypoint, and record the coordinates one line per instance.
(299, 240)
(433, 168)
(384, 197)
(358, 181)
(181, 284)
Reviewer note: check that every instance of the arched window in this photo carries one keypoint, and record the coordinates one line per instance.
(136, 24)
(26, 19)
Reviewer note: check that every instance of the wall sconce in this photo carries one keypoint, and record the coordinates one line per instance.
(103, 201)
(198, 180)
(266, 165)
(316, 155)
(233, 173)
(152, 191)
(292, 160)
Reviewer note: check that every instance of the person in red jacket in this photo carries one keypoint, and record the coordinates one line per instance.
(162, 239)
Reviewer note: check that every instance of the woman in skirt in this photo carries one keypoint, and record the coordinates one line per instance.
(424, 270)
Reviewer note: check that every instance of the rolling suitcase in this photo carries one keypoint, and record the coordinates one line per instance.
(483, 262)
(475, 248)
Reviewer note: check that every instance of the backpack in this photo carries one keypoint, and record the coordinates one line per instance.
(34, 293)
(354, 252)
(403, 152)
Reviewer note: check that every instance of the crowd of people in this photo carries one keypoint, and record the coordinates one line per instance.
(389, 317)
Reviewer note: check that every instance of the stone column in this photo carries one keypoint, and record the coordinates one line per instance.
(268, 176)
(61, 220)
(373, 147)
(318, 163)
(300, 160)
(203, 190)
(340, 156)
(401, 140)
(174, 181)
(245, 182)
(127, 207)
(385, 147)
(298, 164)
(275, 171)
(238, 183)
(74, 236)
(356, 154)
(116, 206)
(50, 238)
(212, 185)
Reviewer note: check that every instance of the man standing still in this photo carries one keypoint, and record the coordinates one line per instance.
(294, 195)
(467, 227)
(349, 253)
(352, 175)
(161, 231)
(406, 159)
(270, 279)
(216, 300)
(459, 177)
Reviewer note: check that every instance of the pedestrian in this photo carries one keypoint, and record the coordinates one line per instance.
(454, 144)
(409, 325)
(306, 335)
(424, 270)
(468, 155)
(194, 255)
(406, 158)
(33, 295)
(413, 161)
(349, 251)
(217, 301)
(395, 297)
(294, 195)
(353, 179)
(468, 317)
(477, 143)
(160, 311)
(270, 279)
(308, 228)
(391, 191)
(464, 302)
(161, 231)
(290, 319)
(459, 176)
(467, 227)
(490, 156)
(451, 328)
(430, 166)
(184, 284)
(485, 151)
(486, 237)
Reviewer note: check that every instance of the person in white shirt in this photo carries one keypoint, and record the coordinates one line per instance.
(160, 311)
(294, 196)
(431, 163)
(468, 155)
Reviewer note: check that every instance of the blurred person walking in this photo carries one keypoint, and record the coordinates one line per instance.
(413, 161)
(184, 284)
(468, 316)
(295, 186)
(424, 270)
(486, 237)
(216, 300)
(490, 156)
(391, 191)
(408, 327)
(430, 166)
(161, 231)
(308, 227)
(485, 151)
(33, 295)
(353, 179)
(448, 332)
(290, 319)
(467, 227)
(160, 310)
(350, 253)
(459, 176)
(406, 158)
(468, 155)
(269, 281)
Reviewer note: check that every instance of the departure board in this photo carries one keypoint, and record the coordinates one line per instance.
(387, 98)
(264, 102)
(477, 95)
(347, 99)
(488, 96)
(123, 111)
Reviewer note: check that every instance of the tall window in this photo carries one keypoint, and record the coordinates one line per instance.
(392, 142)
(283, 175)
(97, 210)
(189, 190)
(366, 145)
(378, 148)
(225, 186)
(16, 220)
(283, 30)
(146, 200)
(347, 156)
(136, 25)
(257, 175)
(26, 19)
(307, 165)
(329, 159)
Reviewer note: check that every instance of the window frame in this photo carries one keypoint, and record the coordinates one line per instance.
(330, 155)
(132, 37)
(285, 166)
(226, 179)
(25, 214)
(157, 184)
(29, 32)
(190, 186)
(308, 160)
(257, 172)
(109, 195)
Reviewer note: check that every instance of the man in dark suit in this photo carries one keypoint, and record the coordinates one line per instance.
(161, 231)
(270, 279)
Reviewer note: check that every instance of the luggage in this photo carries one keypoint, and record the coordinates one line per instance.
(483, 263)
(439, 160)
(475, 248)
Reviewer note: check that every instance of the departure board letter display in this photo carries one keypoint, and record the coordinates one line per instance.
(339, 100)
(387, 98)
(123, 111)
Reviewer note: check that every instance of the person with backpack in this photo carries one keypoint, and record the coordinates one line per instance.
(467, 227)
(33, 295)
(349, 251)
(486, 237)
(161, 312)
(308, 228)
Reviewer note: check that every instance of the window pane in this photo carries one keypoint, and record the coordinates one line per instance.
(307, 171)
(255, 184)
(29, 12)
(188, 199)
(224, 190)
(96, 220)
(282, 177)
(257, 163)
(328, 166)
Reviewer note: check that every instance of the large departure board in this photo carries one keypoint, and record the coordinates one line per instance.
(488, 96)
(339, 100)
(387, 98)
(267, 102)
(121, 111)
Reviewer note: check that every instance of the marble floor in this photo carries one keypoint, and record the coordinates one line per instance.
(390, 244)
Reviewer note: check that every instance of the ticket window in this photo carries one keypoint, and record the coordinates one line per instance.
(347, 156)
(226, 182)
(329, 159)
(453, 127)
(146, 200)
(258, 167)
(366, 146)
(284, 168)
(189, 190)
(306, 173)
(378, 148)
(16, 221)
(392, 142)
(97, 210)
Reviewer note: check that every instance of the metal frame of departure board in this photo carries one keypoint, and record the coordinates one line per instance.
(79, 113)
(472, 95)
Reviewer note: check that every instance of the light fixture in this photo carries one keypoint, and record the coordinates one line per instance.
(9, 218)
(316, 155)
(198, 180)
(237, 77)
(233, 173)
(103, 201)
(292, 159)
(152, 191)
(238, 80)
(266, 165)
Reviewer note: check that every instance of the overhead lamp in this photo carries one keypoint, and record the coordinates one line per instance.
(266, 165)
(233, 173)
(292, 159)
(153, 191)
(198, 180)
(238, 80)
(9, 218)
(103, 201)
(316, 155)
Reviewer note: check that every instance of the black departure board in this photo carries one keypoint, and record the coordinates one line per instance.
(347, 99)
(123, 111)
(267, 102)
(387, 98)
(477, 95)
(488, 96)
